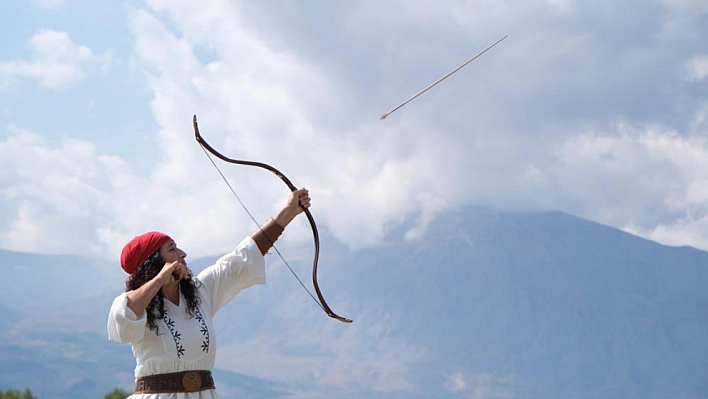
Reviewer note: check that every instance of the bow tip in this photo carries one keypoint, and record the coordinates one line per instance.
(340, 318)
(196, 129)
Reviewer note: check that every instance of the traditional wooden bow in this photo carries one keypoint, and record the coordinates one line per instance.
(322, 303)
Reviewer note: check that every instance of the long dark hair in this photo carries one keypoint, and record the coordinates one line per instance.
(156, 309)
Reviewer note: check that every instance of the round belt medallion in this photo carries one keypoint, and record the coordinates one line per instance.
(192, 381)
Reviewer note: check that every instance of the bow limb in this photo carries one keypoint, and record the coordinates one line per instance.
(292, 187)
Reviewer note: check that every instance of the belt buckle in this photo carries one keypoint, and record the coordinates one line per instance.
(192, 381)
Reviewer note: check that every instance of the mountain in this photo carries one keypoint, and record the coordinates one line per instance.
(84, 365)
(487, 304)
(546, 305)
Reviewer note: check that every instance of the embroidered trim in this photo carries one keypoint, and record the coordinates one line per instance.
(204, 330)
(175, 334)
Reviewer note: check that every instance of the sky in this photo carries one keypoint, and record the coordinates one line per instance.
(598, 109)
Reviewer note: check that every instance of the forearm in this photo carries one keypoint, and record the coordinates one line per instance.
(285, 216)
(140, 298)
(266, 235)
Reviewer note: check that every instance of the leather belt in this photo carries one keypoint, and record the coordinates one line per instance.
(183, 381)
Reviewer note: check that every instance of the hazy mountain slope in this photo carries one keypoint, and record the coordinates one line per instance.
(57, 365)
(548, 305)
(486, 305)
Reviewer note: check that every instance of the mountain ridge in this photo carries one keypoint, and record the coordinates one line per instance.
(486, 304)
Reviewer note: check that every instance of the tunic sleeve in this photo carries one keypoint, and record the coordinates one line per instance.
(123, 325)
(233, 272)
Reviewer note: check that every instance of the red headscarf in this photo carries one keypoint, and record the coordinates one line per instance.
(139, 249)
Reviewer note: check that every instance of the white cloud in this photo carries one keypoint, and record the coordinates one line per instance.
(66, 198)
(479, 385)
(648, 181)
(265, 102)
(56, 61)
(51, 189)
(561, 7)
(529, 125)
(700, 122)
(698, 67)
(455, 382)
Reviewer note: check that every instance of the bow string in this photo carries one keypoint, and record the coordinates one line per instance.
(206, 147)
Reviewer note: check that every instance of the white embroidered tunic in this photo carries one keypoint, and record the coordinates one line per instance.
(183, 342)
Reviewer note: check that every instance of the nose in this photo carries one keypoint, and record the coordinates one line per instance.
(182, 254)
